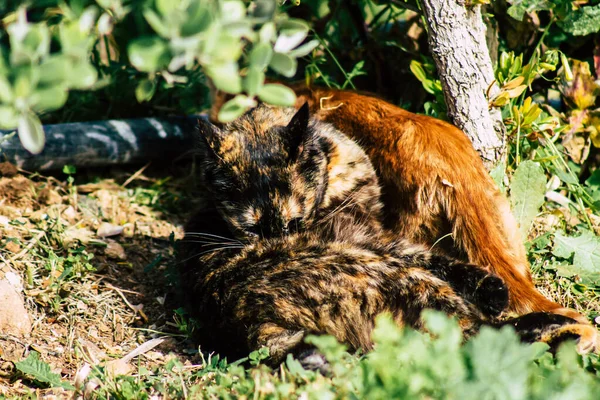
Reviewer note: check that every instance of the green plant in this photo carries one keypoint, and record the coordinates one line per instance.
(76, 45)
(404, 364)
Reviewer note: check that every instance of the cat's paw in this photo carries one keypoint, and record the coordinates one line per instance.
(491, 296)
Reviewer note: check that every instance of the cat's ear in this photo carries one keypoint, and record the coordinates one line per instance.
(297, 130)
(207, 135)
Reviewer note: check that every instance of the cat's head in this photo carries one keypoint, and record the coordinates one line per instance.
(275, 171)
(252, 167)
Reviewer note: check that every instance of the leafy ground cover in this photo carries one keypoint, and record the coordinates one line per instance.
(106, 323)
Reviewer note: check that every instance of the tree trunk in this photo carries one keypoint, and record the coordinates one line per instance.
(457, 39)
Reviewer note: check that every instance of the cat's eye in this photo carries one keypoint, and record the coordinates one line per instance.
(295, 225)
(252, 231)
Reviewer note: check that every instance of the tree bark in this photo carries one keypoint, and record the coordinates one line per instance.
(457, 39)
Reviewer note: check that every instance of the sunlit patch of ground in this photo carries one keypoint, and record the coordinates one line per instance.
(94, 261)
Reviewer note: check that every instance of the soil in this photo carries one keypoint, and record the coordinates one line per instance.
(124, 297)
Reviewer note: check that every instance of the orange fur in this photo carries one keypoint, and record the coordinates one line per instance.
(434, 183)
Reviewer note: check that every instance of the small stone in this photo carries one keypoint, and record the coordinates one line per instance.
(105, 230)
(15, 280)
(4, 220)
(70, 214)
(115, 250)
(14, 318)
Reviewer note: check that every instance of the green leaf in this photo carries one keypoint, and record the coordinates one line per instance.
(82, 75)
(498, 173)
(527, 191)
(267, 33)
(145, 90)
(293, 25)
(565, 176)
(199, 17)
(9, 117)
(232, 10)
(69, 169)
(284, 64)
(288, 41)
(519, 7)
(582, 22)
(6, 91)
(31, 133)
(49, 98)
(25, 81)
(253, 81)
(417, 69)
(294, 366)
(517, 11)
(165, 6)
(156, 23)
(28, 42)
(305, 49)
(55, 69)
(264, 9)
(585, 250)
(501, 361)
(235, 107)
(261, 55)
(277, 94)
(225, 76)
(226, 48)
(40, 371)
(74, 41)
(148, 54)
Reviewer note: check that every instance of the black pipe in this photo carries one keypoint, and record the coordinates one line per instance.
(104, 143)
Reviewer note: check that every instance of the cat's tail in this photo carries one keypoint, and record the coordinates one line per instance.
(485, 228)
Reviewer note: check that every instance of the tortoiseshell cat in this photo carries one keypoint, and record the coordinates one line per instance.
(434, 184)
(310, 254)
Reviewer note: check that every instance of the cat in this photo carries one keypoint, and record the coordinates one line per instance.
(284, 174)
(434, 186)
(304, 258)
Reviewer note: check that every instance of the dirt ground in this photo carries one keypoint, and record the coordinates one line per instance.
(96, 259)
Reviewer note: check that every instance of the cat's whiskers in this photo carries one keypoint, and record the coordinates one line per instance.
(209, 243)
(350, 201)
(210, 235)
(231, 247)
(343, 204)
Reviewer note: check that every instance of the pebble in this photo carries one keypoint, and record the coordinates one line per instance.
(106, 230)
(115, 250)
(14, 319)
